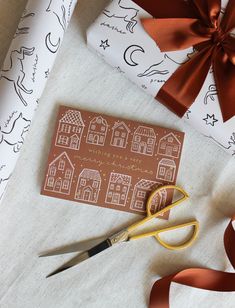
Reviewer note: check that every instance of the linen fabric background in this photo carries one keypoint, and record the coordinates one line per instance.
(31, 223)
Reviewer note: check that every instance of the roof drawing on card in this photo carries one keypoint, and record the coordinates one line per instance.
(63, 156)
(90, 174)
(73, 117)
(167, 162)
(145, 131)
(124, 179)
(173, 136)
(121, 124)
(147, 184)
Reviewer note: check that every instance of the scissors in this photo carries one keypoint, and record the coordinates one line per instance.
(125, 235)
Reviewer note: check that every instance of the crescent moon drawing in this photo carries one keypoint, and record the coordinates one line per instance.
(128, 54)
(50, 46)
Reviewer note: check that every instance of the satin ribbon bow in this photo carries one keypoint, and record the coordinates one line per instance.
(215, 46)
(201, 278)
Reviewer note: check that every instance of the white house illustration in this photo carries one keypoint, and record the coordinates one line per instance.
(70, 130)
(169, 145)
(118, 189)
(60, 175)
(120, 135)
(144, 140)
(88, 186)
(97, 131)
(166, 170)
(141, 193)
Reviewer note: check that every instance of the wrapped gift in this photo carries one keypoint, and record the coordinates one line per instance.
(25, 72)
(151, 53)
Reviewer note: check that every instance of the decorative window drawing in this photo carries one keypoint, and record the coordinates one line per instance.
(117, 133)
(83, 182)
(50, 182)
(137, 138)
(66, 128)
(61, 165)
(93, 127)
(162, 171)
(142, 194)
(63, 140)
(52, 171)
(150, 141)
(103, 129)
(66, 184)
(68, 174)
(139, 204)
(95, 184)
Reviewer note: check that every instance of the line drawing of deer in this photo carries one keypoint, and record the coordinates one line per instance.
(128, 14)
(14, 136)
(210, 94)
(15, 72)
(60, 15)
(59, 11)
(23, 30)
(154, 70)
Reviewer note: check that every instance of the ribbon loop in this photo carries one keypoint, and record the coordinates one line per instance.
(204, 34)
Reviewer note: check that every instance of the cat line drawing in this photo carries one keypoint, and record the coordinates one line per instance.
(14, 134)
(15, 72)
(128, 14)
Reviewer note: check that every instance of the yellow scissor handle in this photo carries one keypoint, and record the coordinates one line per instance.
(150, 216)
(186, 244)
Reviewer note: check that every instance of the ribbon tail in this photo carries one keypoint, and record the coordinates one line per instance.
(182, 88)
(224, 73)
(198, 277)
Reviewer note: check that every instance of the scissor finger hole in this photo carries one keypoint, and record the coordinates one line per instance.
(162, 197)
(179, 238)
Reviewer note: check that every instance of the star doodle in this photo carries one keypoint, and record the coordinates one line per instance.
(210, 120)
(104, 44)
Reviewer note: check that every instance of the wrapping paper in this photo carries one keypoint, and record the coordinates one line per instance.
(25, 72)
(120, 39)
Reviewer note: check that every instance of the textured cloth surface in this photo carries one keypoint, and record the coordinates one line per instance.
(30, 223)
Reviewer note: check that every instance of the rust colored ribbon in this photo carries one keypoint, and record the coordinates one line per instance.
(178, 25)
(200, 278)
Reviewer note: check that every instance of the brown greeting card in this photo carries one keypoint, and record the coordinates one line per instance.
(111, 162)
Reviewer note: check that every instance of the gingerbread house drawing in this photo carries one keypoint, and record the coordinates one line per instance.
(88, 186)
(97, 131)
(70, 130)
(118, 189)
(166, 170)
(169, 145)
(141, 193)
(144, 140)
(60, 175)
(120, 135)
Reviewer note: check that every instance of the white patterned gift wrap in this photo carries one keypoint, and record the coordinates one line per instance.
(25, 72)
(118, 36)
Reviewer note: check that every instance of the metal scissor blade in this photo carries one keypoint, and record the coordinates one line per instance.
(75, 261)
(76, 247)
(83, 256)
